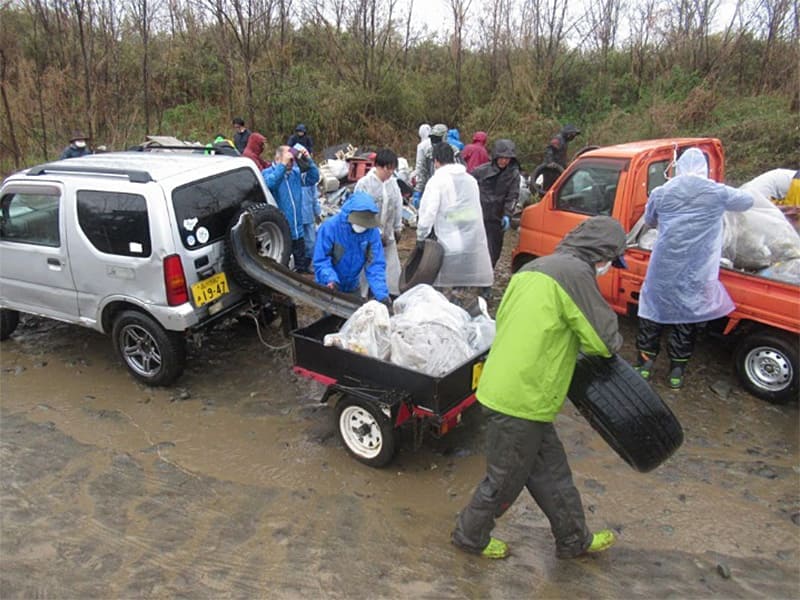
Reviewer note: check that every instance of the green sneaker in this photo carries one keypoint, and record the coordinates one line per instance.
(602, 540)
(676, 375)
(644, 365)
(495, 549)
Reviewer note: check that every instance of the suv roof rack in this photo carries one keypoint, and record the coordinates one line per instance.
(213, 149)
(133, 175)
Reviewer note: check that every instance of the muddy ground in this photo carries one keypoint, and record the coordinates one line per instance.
(232, 484)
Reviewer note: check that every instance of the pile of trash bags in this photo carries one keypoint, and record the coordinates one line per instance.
(427, 333)
(759, 240)
(336, 183)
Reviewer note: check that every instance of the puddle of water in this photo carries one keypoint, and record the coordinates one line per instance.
(232, 485)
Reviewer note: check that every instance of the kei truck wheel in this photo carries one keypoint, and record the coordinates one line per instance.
(9, 319)
(627, 413)
(152, 354)
(766, 362)
(365, 431)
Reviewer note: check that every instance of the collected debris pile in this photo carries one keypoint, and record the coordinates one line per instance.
(427, 333)
(759, 240)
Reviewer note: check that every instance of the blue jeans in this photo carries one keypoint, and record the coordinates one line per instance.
(310, 236)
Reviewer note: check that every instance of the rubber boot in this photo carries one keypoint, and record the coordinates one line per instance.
(644, 364)
(676, 371)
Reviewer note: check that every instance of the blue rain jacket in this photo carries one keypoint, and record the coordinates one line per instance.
(454, 138)
(287, 187)
(311, 207)
(340, 253)
(682, 281)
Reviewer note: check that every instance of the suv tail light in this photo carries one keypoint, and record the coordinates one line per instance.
(175, 281)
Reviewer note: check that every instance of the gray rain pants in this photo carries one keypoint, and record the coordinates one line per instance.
(522, 453)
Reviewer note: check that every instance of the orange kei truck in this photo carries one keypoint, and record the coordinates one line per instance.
(616, 181)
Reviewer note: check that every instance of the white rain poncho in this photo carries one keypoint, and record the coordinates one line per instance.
(390, 208)
(451, 207)
(682, 282)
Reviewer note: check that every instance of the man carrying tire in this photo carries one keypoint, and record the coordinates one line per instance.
(551, 309)
(451, 209)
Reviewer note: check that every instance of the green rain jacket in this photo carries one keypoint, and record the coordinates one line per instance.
(551, 309)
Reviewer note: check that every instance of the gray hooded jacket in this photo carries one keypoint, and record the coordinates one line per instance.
(572, 265)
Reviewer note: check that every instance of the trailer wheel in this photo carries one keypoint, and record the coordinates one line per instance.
(767, 364)
(627, 413)
(365, 431)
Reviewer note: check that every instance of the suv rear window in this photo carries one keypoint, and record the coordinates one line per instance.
(204, 209)
(115, 223)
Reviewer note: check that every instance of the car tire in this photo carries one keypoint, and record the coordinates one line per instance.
(152, 354)
(550, 172)
(365, 431)
(9, 319)
(767, 365)
(422, 266)
(627, 413)
(274, 240)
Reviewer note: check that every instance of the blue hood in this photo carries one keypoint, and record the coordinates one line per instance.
(358, 201)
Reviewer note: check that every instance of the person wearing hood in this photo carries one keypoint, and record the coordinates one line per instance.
(255, 148)
(556, 151)
(499, 185)
(349, 243)
(454, 139)
(424, 142)
(551, 309)
(300, 136)
(285, 182)
(424, 167)
(451, 208)
(475, 154)
(681, 287)
(77, 146)
(381, 184)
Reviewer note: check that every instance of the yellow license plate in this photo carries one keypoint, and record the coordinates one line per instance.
(210, 289)
(477, 369)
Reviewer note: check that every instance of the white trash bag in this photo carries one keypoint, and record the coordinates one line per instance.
(367, 331)
(433, 336)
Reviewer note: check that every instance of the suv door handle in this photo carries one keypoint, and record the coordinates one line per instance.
(55, 262)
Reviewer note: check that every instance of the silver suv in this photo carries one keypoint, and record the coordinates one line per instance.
(134, 244)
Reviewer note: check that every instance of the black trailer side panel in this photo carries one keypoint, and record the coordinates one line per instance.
(437, 394)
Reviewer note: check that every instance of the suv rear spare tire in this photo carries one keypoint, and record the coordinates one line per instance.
(627, 413)
(273, 240)
(152, 354)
